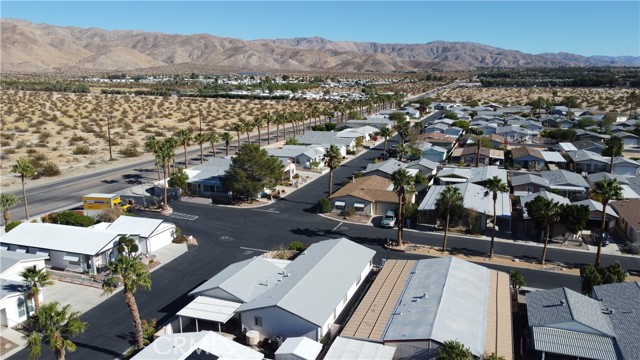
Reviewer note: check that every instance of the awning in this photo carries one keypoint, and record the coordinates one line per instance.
(23, 251)
(573, 343)
(358, 205)
(340, 203)
(42, 253)
(211, 309)
(568, 188)
(71, 258)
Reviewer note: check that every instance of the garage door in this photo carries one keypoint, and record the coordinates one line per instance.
(381, 208)
(161, 237)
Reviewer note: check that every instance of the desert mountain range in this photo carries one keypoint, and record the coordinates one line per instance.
(27, 47)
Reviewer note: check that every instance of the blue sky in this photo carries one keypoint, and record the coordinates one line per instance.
(581, 27)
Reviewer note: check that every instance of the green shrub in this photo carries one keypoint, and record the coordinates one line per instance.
(130, 151)
(298, 246)
(50, 169)
(348, 211)
(10, 226)
(324, 205)
(69, 218)
(82, 150)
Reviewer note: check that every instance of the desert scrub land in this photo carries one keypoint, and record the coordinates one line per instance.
(69, 131)
(603, 99)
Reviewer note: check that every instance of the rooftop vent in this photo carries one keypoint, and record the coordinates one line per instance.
(562, 302)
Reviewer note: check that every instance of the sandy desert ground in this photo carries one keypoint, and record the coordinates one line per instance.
(604, 99)
(49, 126)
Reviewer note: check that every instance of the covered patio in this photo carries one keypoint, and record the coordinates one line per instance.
(208, 309)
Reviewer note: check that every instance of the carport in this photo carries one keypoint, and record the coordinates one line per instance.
(209, 309)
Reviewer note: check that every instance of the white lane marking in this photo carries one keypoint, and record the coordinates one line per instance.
(337, 226)
(247, 248)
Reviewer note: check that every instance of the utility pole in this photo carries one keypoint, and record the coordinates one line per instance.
(109, 136)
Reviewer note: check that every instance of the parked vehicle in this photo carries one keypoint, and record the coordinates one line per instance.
(99, 202)
(599, 236)
(389, 219)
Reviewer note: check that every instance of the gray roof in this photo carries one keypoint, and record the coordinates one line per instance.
(387, 166)
(212, 168)
(595, 177)
(529, 179)
(448, 311)
(553, 156)
(559, 307)
(316, 281)
(623, 160)
(424, 163)
(586, 155)
(484, 173)
(545, 194)
(72, 239)
(564, 177)
(244, 280)
(586, 143)
(596, 206)
(574, 344)
(9, 258)
(623, 299)
(323, 138)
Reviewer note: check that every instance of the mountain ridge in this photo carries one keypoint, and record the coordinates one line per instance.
(42, 48)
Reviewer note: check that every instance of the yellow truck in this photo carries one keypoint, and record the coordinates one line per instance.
(97, 201)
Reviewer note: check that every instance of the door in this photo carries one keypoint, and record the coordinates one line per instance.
(3, 317)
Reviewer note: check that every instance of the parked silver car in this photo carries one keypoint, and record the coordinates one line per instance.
(389, 219)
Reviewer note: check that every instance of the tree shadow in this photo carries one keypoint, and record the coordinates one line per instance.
(115, 354)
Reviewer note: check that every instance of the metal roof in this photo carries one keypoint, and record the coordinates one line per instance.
(244, 280)
(444, 299)
(596, 206)
(9, 258)
(214, 167)
(586, 155)
(343, 348)
(181, 346)
(564, 177)
(72, 239)
(595, 177)
(473, 198)
(301, 347)
(207, 308)
(432, 165)
(545, 194)
(573, 343)
(623, 299)
(388, 166)
(553, 156)
(130, 225)
(529, 179)
(316, 281)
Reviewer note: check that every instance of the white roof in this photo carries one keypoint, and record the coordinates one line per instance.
(473, 198)
(316, 281)
(628, 193)
(181, 346)
(343, 348)
(553, 156)
(301, 347)
(130, 225)
(71, 239)
(207, 308)
(566, 146)
(101, 195)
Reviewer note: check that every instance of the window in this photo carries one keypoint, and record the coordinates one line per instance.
(340, 205)
(22, 309)
(257, 320)
(529, 189)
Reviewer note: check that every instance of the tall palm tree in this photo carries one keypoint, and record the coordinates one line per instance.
(164, 153)
(449, 199)
(7, 201)
(333, 160)
(184, 138)
(127, 269)
(258, 123)
(268, 119)
(606, 190)
(150, 145)
(226, 137)
(494, 186)
(201, 139)
(403, 186)
(386, 133)
(248, 127)
(239, 129)
(24, 167)
(36, 279)
(213, 138)
(280, 119)
(54, 326)
(614, 148)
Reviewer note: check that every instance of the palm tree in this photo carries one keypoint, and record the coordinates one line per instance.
(7, 201)
(386, 133)
(403, 186)
(51, 325)
(258, 123)
(150, 145)
(606, 190)
(184, 138)
(227, 137)
(201, 139)
(614, 148)
(127, 269)
(36, 278)
(401, 150)
(24, 167)
(164, 153)
(333, 160)
(268, 119)
(239, 129)
(213, 138)
(248, 127)
(494, 186)
(280, 119)
(545, 212)
(449, 199)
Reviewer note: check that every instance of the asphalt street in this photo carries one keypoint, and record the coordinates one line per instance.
(226, 235)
